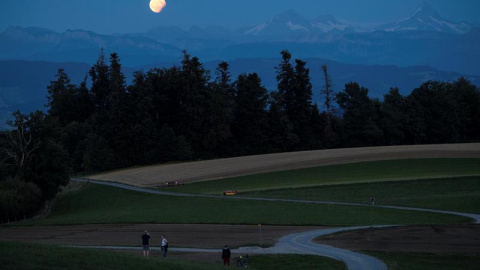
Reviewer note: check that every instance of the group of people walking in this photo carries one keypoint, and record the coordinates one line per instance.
(146, 245)
(226, 254)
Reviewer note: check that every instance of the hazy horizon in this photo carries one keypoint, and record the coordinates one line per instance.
(129, 16)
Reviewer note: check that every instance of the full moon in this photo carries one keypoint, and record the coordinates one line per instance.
(157, 5)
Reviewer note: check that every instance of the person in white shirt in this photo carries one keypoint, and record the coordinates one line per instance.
(164, 246)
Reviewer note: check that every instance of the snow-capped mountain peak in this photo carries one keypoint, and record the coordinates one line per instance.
(425, 9)
(283, 23)
(290, 23)
(328, 23)
(425, 18)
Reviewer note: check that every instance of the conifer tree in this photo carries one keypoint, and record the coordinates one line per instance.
(99, 73)
(359, 117)
(220, 111)
(302, 105)
(250, 120)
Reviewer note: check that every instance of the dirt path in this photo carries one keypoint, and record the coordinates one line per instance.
(213, 169)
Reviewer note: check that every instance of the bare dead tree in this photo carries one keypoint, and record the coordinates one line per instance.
(329, 95)
(327, 91)
(19, 144)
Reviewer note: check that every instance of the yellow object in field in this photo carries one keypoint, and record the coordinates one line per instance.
(230, 192)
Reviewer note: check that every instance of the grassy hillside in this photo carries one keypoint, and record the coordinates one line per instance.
(454, 194)
(103, 204)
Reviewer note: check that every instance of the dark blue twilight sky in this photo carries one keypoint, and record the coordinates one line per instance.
(126, 16)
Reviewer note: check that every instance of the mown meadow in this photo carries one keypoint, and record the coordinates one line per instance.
(98, 204)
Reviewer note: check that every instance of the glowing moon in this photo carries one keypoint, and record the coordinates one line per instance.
(157, 5)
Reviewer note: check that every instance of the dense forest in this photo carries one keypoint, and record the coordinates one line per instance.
(182, 113)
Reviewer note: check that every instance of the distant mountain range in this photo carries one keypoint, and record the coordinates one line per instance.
(425, 18)
(404, 53)
(424, 38)
(291, 26)
(79, 46)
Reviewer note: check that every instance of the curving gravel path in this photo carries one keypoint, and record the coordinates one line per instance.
(302, 243)
(299, 243)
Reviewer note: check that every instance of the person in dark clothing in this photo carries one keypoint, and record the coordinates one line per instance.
(242, 261)
(372, 200)
(226, 255)
(146, 243)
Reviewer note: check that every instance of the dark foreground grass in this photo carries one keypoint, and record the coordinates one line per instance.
(97, 204)
(415, 261)
(375, 171)
(304, 262)
(454, 194)
(23, 256)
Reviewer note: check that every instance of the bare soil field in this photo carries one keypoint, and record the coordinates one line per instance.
(437, 239)
(178, 235)
(214, 169)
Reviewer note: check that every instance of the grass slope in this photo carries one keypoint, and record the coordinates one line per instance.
(23, 256)
(375, 171)
(454, 194)
(419, 261)
(98, 204)
(55, 257)
(276, 262)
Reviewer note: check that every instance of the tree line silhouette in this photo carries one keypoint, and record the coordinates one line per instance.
(181, 113)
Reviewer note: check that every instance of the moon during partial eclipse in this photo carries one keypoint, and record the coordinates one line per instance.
(157, 5)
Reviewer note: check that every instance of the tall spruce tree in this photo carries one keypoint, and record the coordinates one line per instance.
(101, 91)
(250, 118)
(60, 98)
(466, 98)
(285, 101)
(302, 106)
(393, 112)
(68, 102)
(121, 115)
(359, 117)
(220, 111)
(195, 99)
(280, 128)
(117, 85)
(286, 83)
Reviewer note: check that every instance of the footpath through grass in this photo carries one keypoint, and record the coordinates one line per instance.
(375, 171)
(419, 261)
(455, 194)
(56, 257)
(21, 256)
(97, 204)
